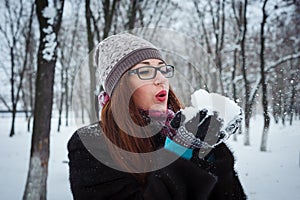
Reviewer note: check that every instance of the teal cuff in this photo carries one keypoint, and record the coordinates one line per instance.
(178, 149)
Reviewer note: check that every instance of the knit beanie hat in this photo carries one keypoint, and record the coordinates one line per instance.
(118, 53)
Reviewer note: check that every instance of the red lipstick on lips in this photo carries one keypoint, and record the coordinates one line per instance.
(161, 96)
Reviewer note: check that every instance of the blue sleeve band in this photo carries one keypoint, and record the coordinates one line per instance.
(178, 149)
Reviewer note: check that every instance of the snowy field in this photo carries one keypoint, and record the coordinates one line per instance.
(274, 174)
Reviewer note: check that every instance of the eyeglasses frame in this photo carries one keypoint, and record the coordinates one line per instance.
(136, 71)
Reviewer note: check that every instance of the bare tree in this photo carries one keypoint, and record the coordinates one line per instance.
(109, 8)
(13, 36)
(116, 16)
(248, 111)
(284, 36)
(28, 88)
(49, 15)
(201, 14)
(239, 58)
(218, 22)
(269, 69)
(293, 96)
(67, 49)
(263, 146)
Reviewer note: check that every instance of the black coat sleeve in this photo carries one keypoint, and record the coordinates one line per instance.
(185, 180)
(220, 162)
(90, 179)
(228, 186)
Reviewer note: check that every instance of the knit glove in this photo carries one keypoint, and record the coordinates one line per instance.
(198, 130)
(203, 129)
(210, 120)
(185, 140)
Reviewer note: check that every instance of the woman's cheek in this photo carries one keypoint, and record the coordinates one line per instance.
(142, 98)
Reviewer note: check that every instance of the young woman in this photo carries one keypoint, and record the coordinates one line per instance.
(137, 150)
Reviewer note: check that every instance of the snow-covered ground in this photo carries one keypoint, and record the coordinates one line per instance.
(274, 174)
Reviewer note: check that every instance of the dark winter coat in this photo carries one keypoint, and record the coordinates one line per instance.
(183, 179)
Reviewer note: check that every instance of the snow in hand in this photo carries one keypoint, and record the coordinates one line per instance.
(274, 174)
(227, 110)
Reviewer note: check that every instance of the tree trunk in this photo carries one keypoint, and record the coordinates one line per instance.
(15, 97)
(12, 82)
(218, 23)
(31, 88)
(264, 140)
(62, 95)
(12, 130)
(69, 81)
(67, 95)
(62, 86)
(132, 14)
(244, 73)
(36, 184)
(234, 82)
(92, 70)
(292, 101)
(239, 12)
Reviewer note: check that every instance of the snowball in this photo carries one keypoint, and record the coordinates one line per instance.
(226, 108)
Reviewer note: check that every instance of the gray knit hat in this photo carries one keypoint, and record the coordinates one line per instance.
(118, 53)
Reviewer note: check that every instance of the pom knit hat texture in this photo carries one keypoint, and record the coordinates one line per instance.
(118, 53)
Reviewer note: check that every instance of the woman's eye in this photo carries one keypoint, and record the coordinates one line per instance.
(163, 70)
(144, 71)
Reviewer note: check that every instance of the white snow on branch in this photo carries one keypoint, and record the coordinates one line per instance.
(50, 43)
(282, 60)
(48, 30)
(50, 13)
(256, 87)
(268, 68)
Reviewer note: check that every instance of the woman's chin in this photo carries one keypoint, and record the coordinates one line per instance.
(159, 107)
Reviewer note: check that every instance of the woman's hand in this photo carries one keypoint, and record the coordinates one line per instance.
(203, 129)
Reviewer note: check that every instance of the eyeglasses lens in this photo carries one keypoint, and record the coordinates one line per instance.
(149, 72)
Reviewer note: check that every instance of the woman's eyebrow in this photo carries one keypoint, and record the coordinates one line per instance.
(145, 62)
(148, 63)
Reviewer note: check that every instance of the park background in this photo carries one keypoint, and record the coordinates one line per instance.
(255, 48)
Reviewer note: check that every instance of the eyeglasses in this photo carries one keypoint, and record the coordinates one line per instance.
(149, 72)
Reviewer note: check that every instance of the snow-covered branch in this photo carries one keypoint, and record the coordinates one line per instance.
(272, 66)
(5, 103)
(282, 60)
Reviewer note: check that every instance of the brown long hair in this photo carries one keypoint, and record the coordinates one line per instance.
(124, 126)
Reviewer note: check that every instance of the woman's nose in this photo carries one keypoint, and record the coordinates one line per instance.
(160, 78)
